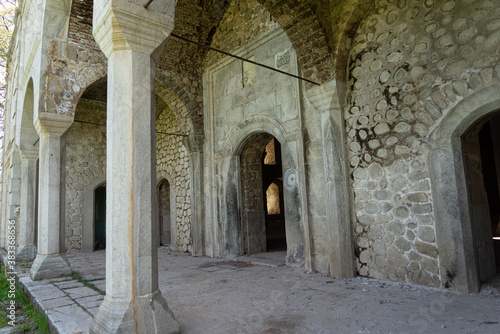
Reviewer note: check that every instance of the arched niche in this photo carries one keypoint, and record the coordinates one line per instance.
(89, 214)
(167, 210)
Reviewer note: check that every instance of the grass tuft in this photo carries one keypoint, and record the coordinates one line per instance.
(33, 321)
(87, 283)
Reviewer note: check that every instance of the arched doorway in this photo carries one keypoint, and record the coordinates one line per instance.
(272, 180)
(100, 218)
(451, 193)
(263, 217)
(164, 219)
(28, 150)
(481, 150)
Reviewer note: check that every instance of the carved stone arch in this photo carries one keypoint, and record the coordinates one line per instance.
(297, 229)
(27, 142)
(95, 80)
(307, 34)
(454, 233)
(240, 135)
(183, 103)
(88, 199)
(351, 17)
(64, 85)
(161, 176)
(27, 135)
(466, 113)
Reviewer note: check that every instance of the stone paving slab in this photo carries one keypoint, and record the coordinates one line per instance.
(93, 310)
(80, 292)
(101, 285)
(67, 284)
(64, 301)
(47, 292)
(71, 319)
(91, 301)
(56, 302)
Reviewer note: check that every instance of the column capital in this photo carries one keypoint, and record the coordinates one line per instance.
(121, 25)
(28, 153)
(52, 124)
(194, 143)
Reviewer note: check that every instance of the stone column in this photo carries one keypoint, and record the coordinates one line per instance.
(131, 37)
(50, 262)
(194, 145)
(27, 248)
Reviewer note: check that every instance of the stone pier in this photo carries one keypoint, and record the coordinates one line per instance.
(131, 38)
(50, 261)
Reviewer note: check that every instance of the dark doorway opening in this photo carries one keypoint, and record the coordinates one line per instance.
(263, 212)
(164, 220)
(489, 139)
(100, 218)
(272, 182)
(481, 145)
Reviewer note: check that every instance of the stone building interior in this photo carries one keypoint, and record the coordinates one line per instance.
(353, 137)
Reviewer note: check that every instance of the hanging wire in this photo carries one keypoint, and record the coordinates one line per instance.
(243, 59)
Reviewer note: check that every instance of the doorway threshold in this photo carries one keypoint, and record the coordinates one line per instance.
(492, 286)
(268, 259)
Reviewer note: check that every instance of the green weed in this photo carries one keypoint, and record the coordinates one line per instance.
(33, 321)
(87, 283)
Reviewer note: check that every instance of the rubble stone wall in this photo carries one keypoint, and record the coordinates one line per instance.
(411, 63)
(172, 157)
(85, 163)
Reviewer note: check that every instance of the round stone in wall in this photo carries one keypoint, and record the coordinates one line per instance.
(291, 179)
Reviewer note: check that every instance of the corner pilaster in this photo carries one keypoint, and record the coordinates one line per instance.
(194, 145)
(27, 219)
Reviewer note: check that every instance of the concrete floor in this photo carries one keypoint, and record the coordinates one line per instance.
(221, 296)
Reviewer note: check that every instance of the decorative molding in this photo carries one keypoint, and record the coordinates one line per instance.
(28, 153)
(52, 124)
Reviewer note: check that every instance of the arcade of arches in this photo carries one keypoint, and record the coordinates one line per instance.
(385, 163)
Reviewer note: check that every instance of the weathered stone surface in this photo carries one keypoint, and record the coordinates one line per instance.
(425, 53)
(49, 266)
(426, 249)
(173, 159)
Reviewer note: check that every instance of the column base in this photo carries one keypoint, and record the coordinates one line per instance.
(116, 315)
(26, 253)
(49, 266)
